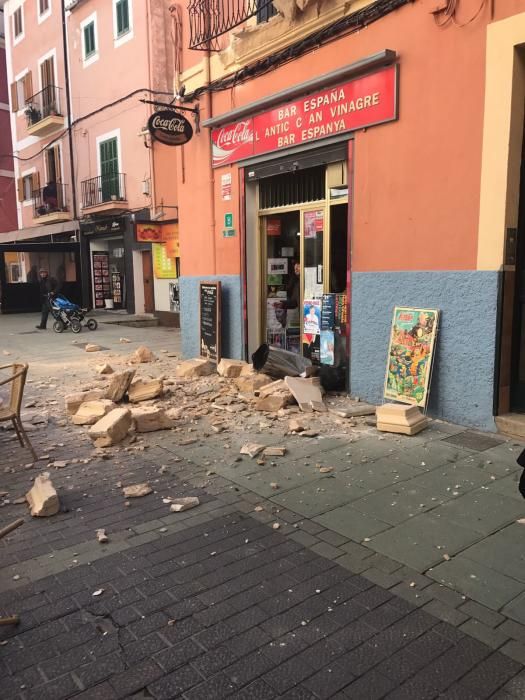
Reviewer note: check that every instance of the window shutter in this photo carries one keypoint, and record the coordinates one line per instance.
(28, 87)
(35, 181)
(56, 156)
(14, 97)
(20, 189)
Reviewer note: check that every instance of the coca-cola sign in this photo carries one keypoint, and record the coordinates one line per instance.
(170, 128)
(359, 103)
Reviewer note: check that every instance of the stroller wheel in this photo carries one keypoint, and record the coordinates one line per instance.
(58, 326)
(92, 324)
(76, 326)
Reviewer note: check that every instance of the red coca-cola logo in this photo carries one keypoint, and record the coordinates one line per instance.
(235, 135)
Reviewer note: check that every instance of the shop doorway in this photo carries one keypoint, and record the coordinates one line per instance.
(517, 383)
(147, 269)
(303, 253)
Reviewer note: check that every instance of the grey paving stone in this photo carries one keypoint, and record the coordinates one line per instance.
(490, 675)
(485, 585)
(381, 578)
(318, 496)
(489, 636)
(351, 523)
(372, 686)
(445, 612)
(515, 650)
(482, 511)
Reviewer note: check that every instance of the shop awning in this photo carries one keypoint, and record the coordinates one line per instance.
(36, 232)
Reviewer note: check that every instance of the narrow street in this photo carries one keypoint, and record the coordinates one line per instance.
(357, 565)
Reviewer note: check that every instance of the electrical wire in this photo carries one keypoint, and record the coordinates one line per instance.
(342, 27)
(109, 105)
(449, 12)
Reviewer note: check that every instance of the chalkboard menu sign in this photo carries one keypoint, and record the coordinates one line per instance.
(210, 320)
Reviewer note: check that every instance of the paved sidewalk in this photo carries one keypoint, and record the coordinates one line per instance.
(214, 602)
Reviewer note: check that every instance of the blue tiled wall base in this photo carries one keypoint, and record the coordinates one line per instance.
(463, 380)
(232, 327)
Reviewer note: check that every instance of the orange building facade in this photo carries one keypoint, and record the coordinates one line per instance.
(376, 146)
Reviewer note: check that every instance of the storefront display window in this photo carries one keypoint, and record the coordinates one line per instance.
(23, 267)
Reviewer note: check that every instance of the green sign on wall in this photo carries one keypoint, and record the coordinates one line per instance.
(228, 220)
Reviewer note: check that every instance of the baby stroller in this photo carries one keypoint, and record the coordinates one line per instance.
(68, 315)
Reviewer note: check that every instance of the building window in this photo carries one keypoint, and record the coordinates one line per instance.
(265, 10)
(21, 92)
(90, 46)
(27, 187)
(122, 10)
(43, 6)
(18, 23)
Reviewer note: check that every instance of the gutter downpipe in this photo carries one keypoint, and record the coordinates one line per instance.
(68, 101)
(209, 111)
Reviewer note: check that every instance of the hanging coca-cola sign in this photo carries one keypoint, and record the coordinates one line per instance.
(170, 127)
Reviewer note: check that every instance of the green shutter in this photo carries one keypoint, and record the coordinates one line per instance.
(122, 17)
(89, 39)
(109, 170)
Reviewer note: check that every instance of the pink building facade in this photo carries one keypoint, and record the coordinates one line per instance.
(78, 72)
(8, 220)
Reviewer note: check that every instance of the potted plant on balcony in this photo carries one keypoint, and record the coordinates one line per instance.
(32, 114)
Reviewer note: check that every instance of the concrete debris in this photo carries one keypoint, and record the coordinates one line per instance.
(231, 368)
(119, 385)
(276, 526)
(111, 429)
(124, 340)
(197, 367)
(309, 433)
(145, 389)
(272, 404)
(307, 392)
(101, 536)
(59, 464)
(252, 449)
(249, 383)
(357, 411)
(147, 419)
(396, 418)
(274, 451)
(274, 485)
(100, 591)
(92, 347)
(258, 509)
(137, 490)
(142, 355)
(104, 369)
(73, 401)
(182, 504)
(295, 425)
(92, 411)
(325, 470)
(521, 521)
(43, 498)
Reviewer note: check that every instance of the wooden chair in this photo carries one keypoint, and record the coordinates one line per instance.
(12, 410)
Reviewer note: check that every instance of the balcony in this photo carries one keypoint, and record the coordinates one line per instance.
(105, 194)
(211, 19)
(50, 204)
(44, 112)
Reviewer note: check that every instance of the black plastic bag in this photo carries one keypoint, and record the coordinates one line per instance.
(521, 462)
(279, 363)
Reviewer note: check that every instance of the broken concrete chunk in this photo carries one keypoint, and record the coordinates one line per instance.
(101, 536)
(272, 388)
(73, 401)
(137, 490)
(307, 392)
(119, 385)
(42, 498)
(296, 426)
(355, 411)
(274, 451)
(92, 347)
(309, 433)
(92, 411)
(145, 389)
(272, 404)
(184, 504)
(231, 368)
(250, 382)
(104, 369)
(252, 449)
(124, 340)
(111, 429)
(396, 418)
(197, 367)
(150, 418)
(142, 354)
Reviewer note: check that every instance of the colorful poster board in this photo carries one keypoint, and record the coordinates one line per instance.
(210, 320)
(148, 233)
(327, 347)
(164, 267)
(101, 278)
(410, 355)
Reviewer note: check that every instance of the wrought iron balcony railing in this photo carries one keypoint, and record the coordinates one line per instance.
(210, 19)
(44, 104)
(102, 189)
(50, 199)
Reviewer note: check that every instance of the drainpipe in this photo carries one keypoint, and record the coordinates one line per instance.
(209, 111)
(150, 85)
(68, 103)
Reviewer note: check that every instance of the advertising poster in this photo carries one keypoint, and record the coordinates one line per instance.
(311, 320)
(328, 312)
(277, 266)
(410, 355)
(313, 223)
(170, 236)
(275, 315)
(327, 348)
(164, 267)
(148, 233)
